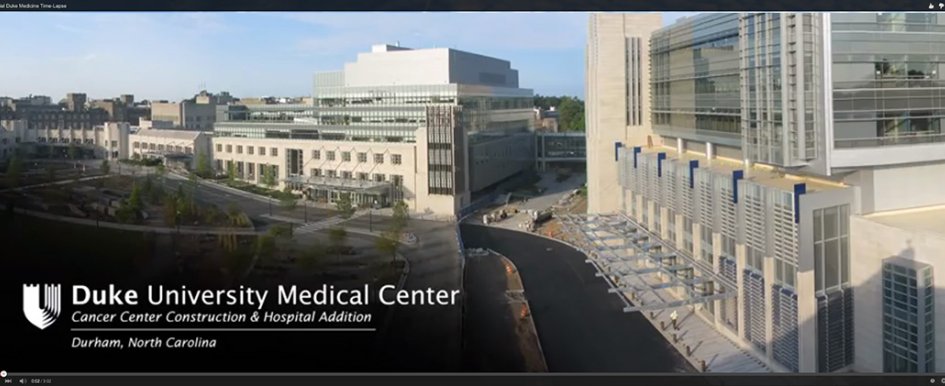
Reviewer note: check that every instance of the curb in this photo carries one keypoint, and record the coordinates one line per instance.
(531, 319)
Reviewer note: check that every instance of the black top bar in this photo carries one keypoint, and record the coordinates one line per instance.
(468, 5)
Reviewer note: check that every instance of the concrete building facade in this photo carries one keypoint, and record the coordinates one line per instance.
(618, 96)
(12, 133)
(188, 115)
(185, 148)
(793, 157)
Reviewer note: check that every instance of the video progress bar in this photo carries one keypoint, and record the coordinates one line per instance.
(366, 329)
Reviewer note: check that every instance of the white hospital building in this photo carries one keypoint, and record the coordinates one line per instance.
(429, 126)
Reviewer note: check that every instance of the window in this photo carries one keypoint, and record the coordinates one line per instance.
(239, 149)
(330, 155)
(831, 247)
(250, 150)
(332, 173)
(362, 157)
(346, 156)
(262, 150)
(379, 158)
(316, 172)
(395, 159)
(363, 176)
(133, 145)
(346, 175)
(229, 148)
(316, 155)
(378, 177)
(274, 151)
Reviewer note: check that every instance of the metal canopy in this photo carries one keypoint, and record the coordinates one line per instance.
(637, 262)
(342, 184)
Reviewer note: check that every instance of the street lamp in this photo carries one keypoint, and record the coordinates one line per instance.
(371, 217)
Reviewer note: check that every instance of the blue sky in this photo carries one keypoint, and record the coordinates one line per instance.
(170, 55)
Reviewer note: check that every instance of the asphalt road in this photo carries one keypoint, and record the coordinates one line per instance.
(581, 326)
(254, 208)
(491, 344)
(425, 338)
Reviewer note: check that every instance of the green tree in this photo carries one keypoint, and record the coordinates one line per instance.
(134, 201)
(14, 169)
(203, 166)
(400, 217)
(268, 174)
(51, 173)
(211, 215)
(171, 208)
(233, 210)
(288, 200)
(571, 114)
(388, 244)
(194, 187)
(344, 205)
(546, 102)
(231, 171)
(73, 152)
(337, 237)
(281, 231)
(161, 171)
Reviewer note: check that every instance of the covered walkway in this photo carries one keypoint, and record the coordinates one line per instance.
(654, 278)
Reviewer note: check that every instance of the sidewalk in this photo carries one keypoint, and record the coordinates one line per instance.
(44, 184)
(140, 228)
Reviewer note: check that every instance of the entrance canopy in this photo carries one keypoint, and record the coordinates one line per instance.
(652, 273)
(342, 184)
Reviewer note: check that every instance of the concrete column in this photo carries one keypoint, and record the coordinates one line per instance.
(717, 266)
(679, 145)
(680, 233)
(709, 152)
(664, 223)
(768, 275)
(740, 257)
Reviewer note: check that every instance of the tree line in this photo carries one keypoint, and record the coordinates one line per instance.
(570, 110)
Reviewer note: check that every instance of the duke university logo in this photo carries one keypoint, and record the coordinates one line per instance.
(45, 313)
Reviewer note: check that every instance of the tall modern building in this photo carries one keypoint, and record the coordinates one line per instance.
(618, 96)
(796, 162)
(432, 127)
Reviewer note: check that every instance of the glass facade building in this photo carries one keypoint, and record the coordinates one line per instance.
(908, 317)
(887, 84)
(695, 79)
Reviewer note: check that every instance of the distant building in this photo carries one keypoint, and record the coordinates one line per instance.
(11, 134)
(181, 148)
(114, 108)
(127, 99)
(186, 114)
(104, 141)
(546, 120)
(75, 102)
(158, 125)
(208, 98)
